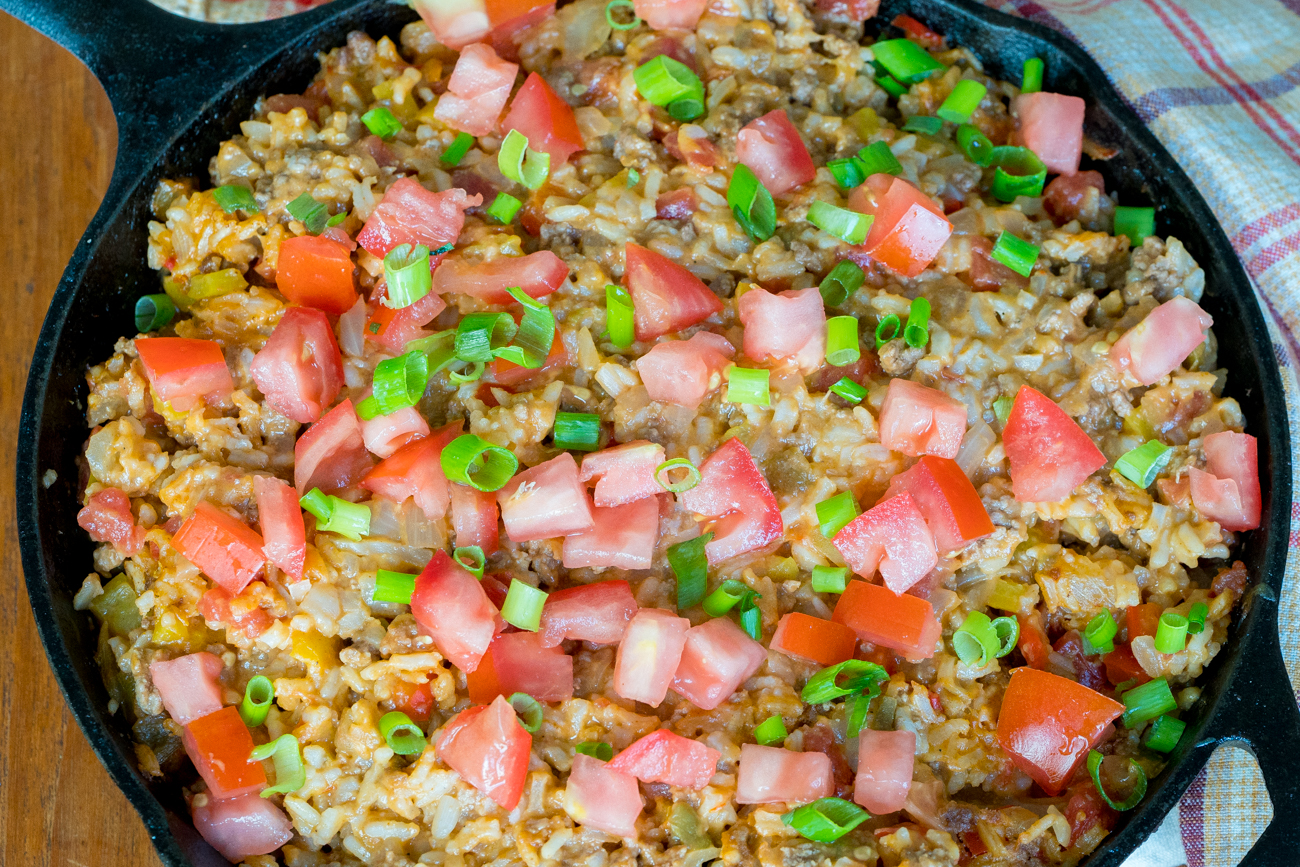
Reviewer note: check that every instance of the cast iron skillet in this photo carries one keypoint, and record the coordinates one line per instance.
(180, 87)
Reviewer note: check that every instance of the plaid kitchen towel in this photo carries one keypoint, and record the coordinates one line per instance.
(1216, 80)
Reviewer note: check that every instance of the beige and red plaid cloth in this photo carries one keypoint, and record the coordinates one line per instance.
(1217, 81)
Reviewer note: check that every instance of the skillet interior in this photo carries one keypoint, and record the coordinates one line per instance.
(1245, 683)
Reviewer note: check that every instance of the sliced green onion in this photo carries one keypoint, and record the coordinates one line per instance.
(615, 23)
(1099, 634)
(1008, 631)
(751, 203)
(1196, 618)
(380, 121)
(633, 178)
(829, 579)
(917, 332)
(595, 749)
(406, 269)
(905, 60)
(523, 605)
(664, 81)
(153, 312)
(1137, 224)
(826, 819)
(470, 558)
(691, 568)
(887, 329)
(335, 515)
(1124, 686)
(1171, 633)
(311, 213)
(536, 333)
(848, 173)
(771, 731)
(974, 145)
(846, 678)
(258, 696)
(849, 390)
(1032, 80)
(842, 281)
(286, 754)
(504, 208)
(1165, 733)
(725, 598)
(473, 461)
(1019, 172)
(471, 373)
(922, 124)
(748, 385)
(336, 220)
(976, 641)
(835, 513)
(576, 431)
(478, 334)
(842, 341)
(1139, 789)
(520, 163)
(456, 151)
(664, 471)
(848, 226)
(1148, 701)
(963, 101)
(233, 197)
(877, 159)
(855, 712)
(400, 382)
(402, 736)
(1016, 253)
(620, 316)
(891, 85)
(394, 587)
(1002, 408)
(529, 710)
(751, 618)
(686, 109)
(1142, 464)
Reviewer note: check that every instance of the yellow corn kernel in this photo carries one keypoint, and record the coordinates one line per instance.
(432, 70)
(314, 649)
(383, 90)
(784, 569)
(1136, 423)
(171, 629)
(865, 122)
(1006, 595)
(425, 115)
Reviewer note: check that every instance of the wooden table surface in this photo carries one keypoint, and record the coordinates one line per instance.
(56, 154)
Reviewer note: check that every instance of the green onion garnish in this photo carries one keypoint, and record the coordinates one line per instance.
(1196, 618)
(877, 158)
(963, 101)
(380, 121)
(1016, 253)
(917, 332)
(835, 513)
(849, 226)
(286, 754)
(536, 334)
(336, 220)
(826, 819)
(829, 579)
(233, 197)
(976, 641)
(905, 60)
(520, 163)
(922, 124)
(1171, 633)
(725, 598)
(1032, 81)
(406, 269)
(1099, 634)
(1019, 172)
(842, 341)
(691, 568)
(456, 151)
(1008, 630)
(1002, 408)
(842, 281)
(633, 178)
(1165, 733)
(402, 736)
(751, 618)
(311, 213)
(664, 472)
(891, 85)
(887, 329)
(595, 749)
(848, 172)
(1139, 789)
(523, 605)
(771, 731)
(667, 82)
(1137, 224)
(335, 515)
(1142, 464)
(400, 382)
(1148, 701)
(620, 316)
(258, 696)
(394, 587)
(974, 145)
(470, 558)
(479, 334)
(748, 385)
(849, 390)
(471, 373)
(529, 710)
(473, 461)
(751, 203)
(619, 25)
(576, 431)
(846, 678)
(153, 312)
(504, 208)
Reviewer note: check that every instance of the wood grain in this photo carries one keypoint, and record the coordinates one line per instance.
(56, 154)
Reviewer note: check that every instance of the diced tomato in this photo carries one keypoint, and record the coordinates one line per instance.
(891, 536)
(717, 659)
(182, 370)
(1085, 810)
(1050, 455)
(772, 149)
(1048, 724)
(537, 274)
(519, 662)
(507, 374)
(316, 272)
(885, 761)
(678, 204)
(670, 14)
(415, 470)
(1033, 643)
(107, 517)
(284, 536)
(789, 327)
(987, 275)
(732, 490)
(916, 420)
(1157, 345)
(451, 606)
(239, 614)
(455, 24)
(648, 655)
(546, 501)
(1229, 493)
(385, 434)
(414, 700)
(489, 748)
(904, 623)
(682, 372)
(224, 547)
(242, 827)
(623, 474)
(1121, 666)
(948, 501)
(547, 121)
(1065, 197)
(477, 91)
(331, 454)
(1088, 670)
(509, 17)
(411, 214)
(917, 31)
(393, 329)
(909, 229)
(300, 369)
(219, 745)
(665, 296)
(772, 775)
(1143, 619)
(598, 796)
(853, 10)
(474, 518)
(1051, 125)
(598, 613)
(190, 685)
(621, 537)
(668, 758)
(695, 148)
(824, 642)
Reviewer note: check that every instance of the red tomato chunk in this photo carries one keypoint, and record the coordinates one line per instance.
(219, 745)
(665, 757)
(546, 501)
(1229, 493)
(891, 536)
(946, 498)
(190, 685)
(1157, 345)
(1051, 125)
(455, 24)
(182, 370)
(316, 272)
(242, 827)
(284, 535)
(824, 642)
(772, 775)
(415, 470)
(300, 369)
(537, 275)
(477, 91)
(682, 372)
(598, 613)
(224, 547)
(1049, 454)
(490, 749)
(411, 214)
(878, 615)
(790, 326)
(909, 229)
(885, 761)
(648, 655)
(385, 434)
(331, 454)
(623, 474)
(107, 518)
(601, 797)
(622, 537)
(771, 148)
(670, 14)
(474, 518)
(450, 605)
(733, 490)
(520, 662)
(717, 658)
(916, 420)
(665, 296)
(545, 119)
